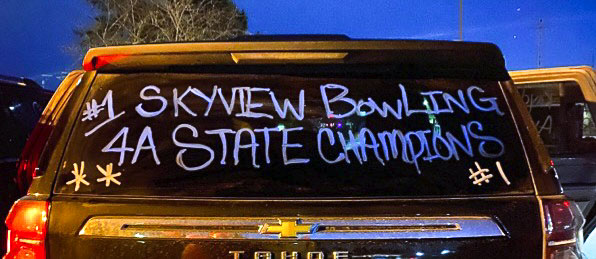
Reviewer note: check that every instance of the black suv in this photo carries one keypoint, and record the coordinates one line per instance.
(21, 103)
(272, 148)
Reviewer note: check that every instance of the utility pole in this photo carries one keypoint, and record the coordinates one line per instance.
(540, 31)
(461, 20)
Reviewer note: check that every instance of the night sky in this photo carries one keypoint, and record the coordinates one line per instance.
(36, 33)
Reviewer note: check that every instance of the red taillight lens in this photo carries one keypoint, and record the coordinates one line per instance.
(30, 155)
(563, 223)
(26, 223)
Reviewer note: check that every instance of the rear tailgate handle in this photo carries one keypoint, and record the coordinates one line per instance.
(296, 228)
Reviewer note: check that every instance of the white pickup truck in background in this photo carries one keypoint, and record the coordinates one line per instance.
(562, 103)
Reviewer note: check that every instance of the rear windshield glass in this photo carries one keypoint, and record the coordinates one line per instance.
(248, 135)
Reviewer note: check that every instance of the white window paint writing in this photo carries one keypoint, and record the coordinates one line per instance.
(360, 146)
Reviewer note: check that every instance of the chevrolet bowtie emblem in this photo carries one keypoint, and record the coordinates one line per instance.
(286, 228)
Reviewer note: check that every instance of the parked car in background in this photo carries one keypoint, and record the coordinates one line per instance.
(562, 103)
(287, 147)
(40, 135)
(21, 103)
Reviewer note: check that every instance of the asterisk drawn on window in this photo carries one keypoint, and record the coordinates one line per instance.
(79, 176)
(108, 176)
(93, 109)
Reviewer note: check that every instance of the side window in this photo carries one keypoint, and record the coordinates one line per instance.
(544, 104)
(588, 125)
(563, 118)
(587, 141)
(13, 131)
(20, 109)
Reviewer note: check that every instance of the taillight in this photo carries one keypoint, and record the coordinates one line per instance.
(30, 155)
(26, 223)
(563, 223)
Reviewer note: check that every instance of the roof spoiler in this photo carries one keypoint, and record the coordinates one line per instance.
(477, 58)
(292, 37)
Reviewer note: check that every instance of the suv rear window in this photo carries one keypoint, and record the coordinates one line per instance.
(249, 135)
(562, 116)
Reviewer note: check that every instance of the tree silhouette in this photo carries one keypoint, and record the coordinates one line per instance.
(122, 22)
